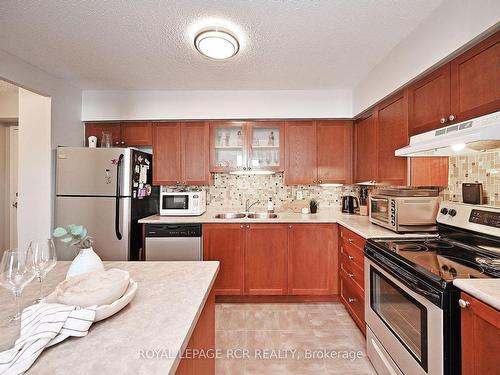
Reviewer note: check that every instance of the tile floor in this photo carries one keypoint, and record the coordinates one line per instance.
(291, 331)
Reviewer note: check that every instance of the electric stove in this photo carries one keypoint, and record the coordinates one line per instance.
(411, 304)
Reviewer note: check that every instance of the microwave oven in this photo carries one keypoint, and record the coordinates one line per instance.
(404, 214)
(185, 203)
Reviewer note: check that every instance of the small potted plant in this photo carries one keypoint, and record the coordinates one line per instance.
(313, 206)
(86, 260)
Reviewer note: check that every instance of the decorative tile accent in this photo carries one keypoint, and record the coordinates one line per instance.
(483, 168)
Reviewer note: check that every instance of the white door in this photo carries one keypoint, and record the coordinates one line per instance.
(13, 192)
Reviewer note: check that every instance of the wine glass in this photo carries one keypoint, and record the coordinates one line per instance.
(16, 271)
(44, 257)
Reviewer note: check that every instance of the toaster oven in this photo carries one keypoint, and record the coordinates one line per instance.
(404, 214)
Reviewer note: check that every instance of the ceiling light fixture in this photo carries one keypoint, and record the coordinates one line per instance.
(216, 43)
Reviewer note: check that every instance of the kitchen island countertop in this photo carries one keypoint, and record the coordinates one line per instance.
(160, 318)
(360, 225)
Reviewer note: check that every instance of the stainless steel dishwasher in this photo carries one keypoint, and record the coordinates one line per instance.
(173, 242)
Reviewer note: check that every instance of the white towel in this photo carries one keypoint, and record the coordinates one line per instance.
(44, 325)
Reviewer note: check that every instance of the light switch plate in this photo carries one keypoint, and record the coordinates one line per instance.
(299, 195)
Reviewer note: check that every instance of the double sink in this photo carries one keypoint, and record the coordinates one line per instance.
(254, 215)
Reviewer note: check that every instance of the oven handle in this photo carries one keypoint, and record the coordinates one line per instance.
(404, 277)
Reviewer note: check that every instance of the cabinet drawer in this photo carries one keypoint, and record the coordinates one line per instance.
(351, 253)
(349, 237)
(350, 271)
(353, 301)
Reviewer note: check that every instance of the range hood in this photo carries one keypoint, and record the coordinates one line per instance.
(468, 137)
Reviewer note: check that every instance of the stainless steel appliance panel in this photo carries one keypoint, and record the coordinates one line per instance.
(173, 248)
(98, 216)
(417, 346)
(92, 171)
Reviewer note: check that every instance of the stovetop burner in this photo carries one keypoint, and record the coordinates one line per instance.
(443, 257)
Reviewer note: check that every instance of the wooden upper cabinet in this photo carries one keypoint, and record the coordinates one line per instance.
(392, 133)
(300, 153)
(266, 145)
(429, 101)
(97, 128)
(167, 153)
(136, 133)
(365, 138)
(228, 146)
(265, 259)
(194, 153)
(475, 80)
(429, 171)
(334, 147)
(312, 259)
(225, 243)
(480, 337)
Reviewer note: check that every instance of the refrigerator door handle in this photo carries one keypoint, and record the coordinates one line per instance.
(118, 193)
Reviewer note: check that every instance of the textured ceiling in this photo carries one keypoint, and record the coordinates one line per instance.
(117, 44)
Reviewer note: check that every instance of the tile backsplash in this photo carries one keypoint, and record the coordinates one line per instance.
(483, 168)
(233, 191)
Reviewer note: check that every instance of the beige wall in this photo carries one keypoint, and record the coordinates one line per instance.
(35, 182)
(4, 182)
(8, 105)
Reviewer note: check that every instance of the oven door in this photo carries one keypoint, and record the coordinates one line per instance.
(175, 204)
(380, 210)
(406, 323)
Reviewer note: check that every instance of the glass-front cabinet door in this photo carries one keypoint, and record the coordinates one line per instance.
(266, 146)
(228, 146)
(246, 146)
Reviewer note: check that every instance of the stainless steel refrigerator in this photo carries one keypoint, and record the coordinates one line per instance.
(107, 190)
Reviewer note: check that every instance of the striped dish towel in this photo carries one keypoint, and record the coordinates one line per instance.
(44, 325)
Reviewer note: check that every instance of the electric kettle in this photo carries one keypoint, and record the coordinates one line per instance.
(349, 204)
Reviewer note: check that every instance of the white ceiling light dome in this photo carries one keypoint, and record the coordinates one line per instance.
(216, 43)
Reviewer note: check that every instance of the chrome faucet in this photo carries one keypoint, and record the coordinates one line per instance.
(248, 206)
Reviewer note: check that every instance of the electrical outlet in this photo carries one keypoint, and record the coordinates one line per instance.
(299, 195)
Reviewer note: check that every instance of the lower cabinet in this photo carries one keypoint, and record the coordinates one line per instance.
(351, 270)
(225, 243)
(273, 259)
(265, 259)
(202, 341)
(480, 337)
(312, 259)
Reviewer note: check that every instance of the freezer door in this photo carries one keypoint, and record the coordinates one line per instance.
(97, 214)
(92, 171)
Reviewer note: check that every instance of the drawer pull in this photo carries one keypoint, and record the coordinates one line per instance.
(351, 300)
(350, 240)
(350, 257)
(350, 275)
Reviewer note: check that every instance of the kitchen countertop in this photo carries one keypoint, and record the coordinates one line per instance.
(162, 316)
(360, 225)
(486, 290)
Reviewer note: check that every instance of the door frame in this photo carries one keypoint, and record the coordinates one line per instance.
(13, 190)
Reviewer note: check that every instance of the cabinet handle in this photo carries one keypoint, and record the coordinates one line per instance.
(463, 303)
(241, 226)
(290, 226)
(249, 168)
(177, 182)
(117, 143)
(443, 120)
(350, 240)
(320, 181)
(351, 300)
(248, 226)
(350, 257)
(184, 182)
(244, 168)
(122, 142)
(452, 117)
(350, 275)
